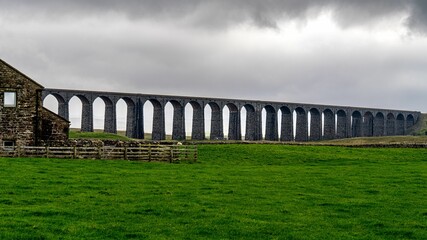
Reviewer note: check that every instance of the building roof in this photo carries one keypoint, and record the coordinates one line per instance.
(57, 115)
(10, 66)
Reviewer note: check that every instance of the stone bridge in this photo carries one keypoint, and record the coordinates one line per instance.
(299, 122)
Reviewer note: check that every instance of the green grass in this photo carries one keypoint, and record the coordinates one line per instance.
(233, 192)
(96, 135)
(101, 135)
(421, 139)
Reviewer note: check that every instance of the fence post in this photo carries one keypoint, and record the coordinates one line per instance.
(99, 153)
(47, 151)
(75, 152)
(126, 153)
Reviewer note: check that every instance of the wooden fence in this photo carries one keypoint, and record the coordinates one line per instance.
(159, 153)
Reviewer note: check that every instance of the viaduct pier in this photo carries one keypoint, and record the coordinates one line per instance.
(299, 121)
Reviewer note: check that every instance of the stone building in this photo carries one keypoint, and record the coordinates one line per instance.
(23, 119)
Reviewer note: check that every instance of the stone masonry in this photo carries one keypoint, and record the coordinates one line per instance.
(313, 122)
(25, 121)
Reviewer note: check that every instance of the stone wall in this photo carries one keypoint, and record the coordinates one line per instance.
(18, 124)
(22, 124)
(53, 127)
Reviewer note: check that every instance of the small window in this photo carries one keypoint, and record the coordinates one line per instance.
(8, 145)
(10, 99)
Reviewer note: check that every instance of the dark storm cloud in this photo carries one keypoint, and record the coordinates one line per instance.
(223, 13)
(418, 18)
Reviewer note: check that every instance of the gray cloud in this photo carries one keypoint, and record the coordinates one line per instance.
(418, 18)
(223, 13)
(178, 47)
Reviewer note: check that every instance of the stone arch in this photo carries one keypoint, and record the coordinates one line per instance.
(110, 118)
(271, 132)
(131, 120)
(87, 114)
(98, 114)
(198, 122)
(168, 111)
(400, 124)
(301, 133)
(390, 125)
(315, 124)
(178, 121)
(378, 124)
(82, 98)
(61, 105)
(158, 121)
(121, 113)
(356, 124)
(287, 132)
(234, 129)
(410, 121)
(51, 102)
(251, 123)
(58, 97)
(368, 124)
(216, 132)
(207, 112)
(76, 109)
(328, 124)
(341, 127)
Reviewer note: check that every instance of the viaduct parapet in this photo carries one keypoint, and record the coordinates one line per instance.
(313, 122)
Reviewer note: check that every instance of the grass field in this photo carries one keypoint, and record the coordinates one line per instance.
(101, 135)
(420, 139)
(97, 135)
(233, 192)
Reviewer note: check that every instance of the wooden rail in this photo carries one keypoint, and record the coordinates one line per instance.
(158, 153)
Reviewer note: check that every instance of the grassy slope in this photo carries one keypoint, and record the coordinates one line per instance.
(96, 135)
(100, 134)
(419, 139)
(419, 136)
(377, 140)
(235, 191)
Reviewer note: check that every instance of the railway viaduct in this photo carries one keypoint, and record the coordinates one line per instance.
(313, 122)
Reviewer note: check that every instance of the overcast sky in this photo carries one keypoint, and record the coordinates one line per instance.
(369, 53)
